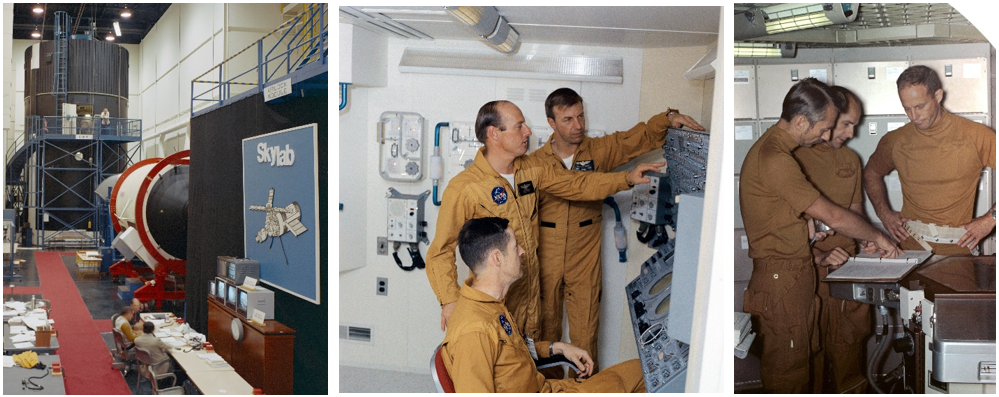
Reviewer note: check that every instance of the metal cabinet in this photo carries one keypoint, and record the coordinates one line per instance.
(774, 81)
(965, 83)
(746, 134)
(873, 83)
(744, 92)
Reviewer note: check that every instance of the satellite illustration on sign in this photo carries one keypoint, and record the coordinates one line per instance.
(279, 220)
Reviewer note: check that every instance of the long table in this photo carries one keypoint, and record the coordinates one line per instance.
(208, 380)
(9, 349)
(51, 384)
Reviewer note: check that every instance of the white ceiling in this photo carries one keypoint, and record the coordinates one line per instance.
(631, 27)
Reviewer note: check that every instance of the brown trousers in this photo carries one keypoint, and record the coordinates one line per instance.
(781, 298)
(844, 327)
(625, 377)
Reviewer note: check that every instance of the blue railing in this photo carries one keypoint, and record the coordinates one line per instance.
(302, 40)
(40, 127)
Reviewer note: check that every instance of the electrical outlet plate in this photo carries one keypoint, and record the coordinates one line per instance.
(382, 286)
(382, 246)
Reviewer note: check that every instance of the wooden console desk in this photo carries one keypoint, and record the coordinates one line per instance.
(265, 356)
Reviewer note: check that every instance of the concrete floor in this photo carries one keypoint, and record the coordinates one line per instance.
(365, 380)
(98, 293)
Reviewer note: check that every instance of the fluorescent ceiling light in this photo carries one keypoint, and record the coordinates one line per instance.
(505, 38)
(488, 24)
(790, 17)
(482, 20)
(117, 29)
(764, 50)
(588, 68)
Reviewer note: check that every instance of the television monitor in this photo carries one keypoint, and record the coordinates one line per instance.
(237, 269)
(211, 288)
(241, 302)
(230, 296)
(220, 289)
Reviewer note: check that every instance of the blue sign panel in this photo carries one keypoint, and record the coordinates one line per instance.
(281, 209)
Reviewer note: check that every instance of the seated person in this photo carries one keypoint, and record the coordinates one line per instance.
(122, 325)
(137, 308)
(156, 348)
(483, 348)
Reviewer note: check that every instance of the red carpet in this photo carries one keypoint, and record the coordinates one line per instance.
(82, 351)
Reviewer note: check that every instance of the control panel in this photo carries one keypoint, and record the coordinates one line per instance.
(401, 135)
(653, 203)
(405, 217)
(664, 359)
(686, 155)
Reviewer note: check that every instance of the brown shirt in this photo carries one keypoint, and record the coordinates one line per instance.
(938, 168)
(836, 174)
(773, 193)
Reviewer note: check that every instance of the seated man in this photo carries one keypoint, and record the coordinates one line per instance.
(156, 348)
(483, 348)
(137, 307)
(123, 326)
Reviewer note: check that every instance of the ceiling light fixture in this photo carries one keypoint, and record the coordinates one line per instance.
(126, 13)
(110, 37)
(765, 50)
(505, 38)
(781, 18)
(482, 20)
(790, 17)
(36, 33)
(117, 28)
(38, 9)
(488, 24)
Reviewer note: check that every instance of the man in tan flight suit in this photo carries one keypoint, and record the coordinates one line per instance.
(939, 158)
(484, 349)
(569, 245)
(774, 194)
(503, 182)
(835, 172)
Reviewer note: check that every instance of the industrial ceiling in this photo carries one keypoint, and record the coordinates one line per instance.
(133, 29)
(879, 24)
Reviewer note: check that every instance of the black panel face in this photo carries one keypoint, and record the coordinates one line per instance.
(664, 360)
(166, 211)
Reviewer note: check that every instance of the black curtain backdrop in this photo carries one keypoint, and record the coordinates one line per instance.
(215, 219)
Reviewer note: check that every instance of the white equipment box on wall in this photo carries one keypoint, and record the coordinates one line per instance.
(400, 135)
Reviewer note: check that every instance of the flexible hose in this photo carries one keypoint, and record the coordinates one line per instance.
(872, 361)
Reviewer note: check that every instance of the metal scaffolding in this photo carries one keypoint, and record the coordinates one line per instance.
(95, 153)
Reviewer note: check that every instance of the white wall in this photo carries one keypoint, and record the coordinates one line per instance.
(189, 40)
(406, 323)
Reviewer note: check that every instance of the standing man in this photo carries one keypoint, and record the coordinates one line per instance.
(503, 182)
(484, 350)
(569, 245)
(835, 172)
(939, 158)
(774, 194)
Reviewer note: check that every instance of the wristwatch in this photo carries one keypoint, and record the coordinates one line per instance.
(670, 111)
(993, 213)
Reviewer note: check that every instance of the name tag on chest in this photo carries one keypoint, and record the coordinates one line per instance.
(583, 165)
(525, 188)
